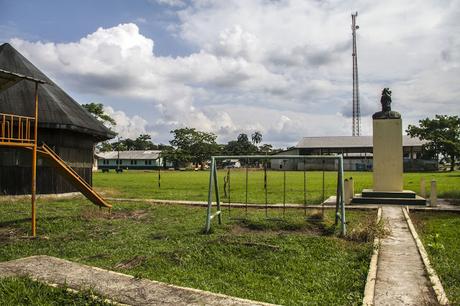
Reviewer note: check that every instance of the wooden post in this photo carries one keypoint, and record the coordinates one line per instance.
(34, 164)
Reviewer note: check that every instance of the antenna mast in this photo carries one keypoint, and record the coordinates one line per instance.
(356, 109)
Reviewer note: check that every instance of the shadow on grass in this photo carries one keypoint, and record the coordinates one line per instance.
(307, 226)
(26, 220)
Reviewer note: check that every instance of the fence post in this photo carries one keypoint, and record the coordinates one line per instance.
(211, 181)
(352, 188)
(346, 184)
(433, 194)
(422, 188)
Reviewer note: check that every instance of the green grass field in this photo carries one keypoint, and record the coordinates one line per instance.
(289, 262)
(292, 261)
(23, 291)
(440, 232)
(193, 185)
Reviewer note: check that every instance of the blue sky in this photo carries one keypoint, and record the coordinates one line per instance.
(280, 67)
(67, 21)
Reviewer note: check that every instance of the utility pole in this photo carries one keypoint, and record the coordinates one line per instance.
(356, 109)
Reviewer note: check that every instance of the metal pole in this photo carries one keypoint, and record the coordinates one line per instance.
(211, 180)
(322, 199)
(342, 191)
(216, 187)
(337, 195)
(229, 195)
(265, 188)
(305, 186)
(159, 177)
(159, 172)
(246, 207)
(356, 108)
(284, 193)
(34, 165)
(118, 156)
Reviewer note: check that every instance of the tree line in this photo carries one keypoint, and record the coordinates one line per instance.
(188, 145)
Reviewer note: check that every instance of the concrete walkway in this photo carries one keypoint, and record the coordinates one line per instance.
(112, 285)
(401, 277)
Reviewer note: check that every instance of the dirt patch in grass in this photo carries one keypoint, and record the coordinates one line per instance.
(94, 213)
(129, 214)
(7, 234)
(159, 236)
(136, 261)
(98, 256)
(108, 192)
(280, 227)
(228, 240)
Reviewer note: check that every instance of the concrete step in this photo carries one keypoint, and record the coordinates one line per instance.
(370, 193)
(360, 199)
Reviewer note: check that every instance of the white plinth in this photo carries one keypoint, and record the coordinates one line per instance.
(387, 155)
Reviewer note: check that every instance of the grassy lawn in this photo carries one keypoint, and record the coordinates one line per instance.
(440, 232)
(193, 185)
(288, 262)
(23, 291)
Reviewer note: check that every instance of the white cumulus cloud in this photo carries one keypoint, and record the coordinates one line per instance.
(281, 67)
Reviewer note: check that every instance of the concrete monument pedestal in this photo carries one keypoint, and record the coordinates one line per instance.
(387, 155)
(387, 160)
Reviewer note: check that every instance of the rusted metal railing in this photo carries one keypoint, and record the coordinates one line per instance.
(16, 130)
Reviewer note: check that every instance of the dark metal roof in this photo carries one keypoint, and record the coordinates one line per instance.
(349, 142)
(8, 79)
(57, 109)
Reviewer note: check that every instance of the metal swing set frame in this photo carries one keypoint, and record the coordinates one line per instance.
(214, 184)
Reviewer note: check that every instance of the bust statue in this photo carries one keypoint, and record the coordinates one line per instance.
(386, 112)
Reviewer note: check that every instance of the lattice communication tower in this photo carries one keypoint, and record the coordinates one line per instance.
(356, 108)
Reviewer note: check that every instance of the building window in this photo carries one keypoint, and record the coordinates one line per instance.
(133, 162)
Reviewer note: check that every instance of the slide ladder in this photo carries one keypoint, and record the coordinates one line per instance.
(76, 180)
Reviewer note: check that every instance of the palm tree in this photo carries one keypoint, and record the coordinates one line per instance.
(256, 137)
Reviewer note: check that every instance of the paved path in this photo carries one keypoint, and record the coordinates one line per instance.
(401, 277)
(115, 286)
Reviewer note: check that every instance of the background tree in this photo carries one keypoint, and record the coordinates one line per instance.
(97, 110)
(442, 135)
(105, 146)
(256, 138)
(144, 142)
(266, 149)
(240, 146)
(190, 145)
(141, 143)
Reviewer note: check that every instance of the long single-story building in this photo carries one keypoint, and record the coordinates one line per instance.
(356, 151)
(133, 160)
